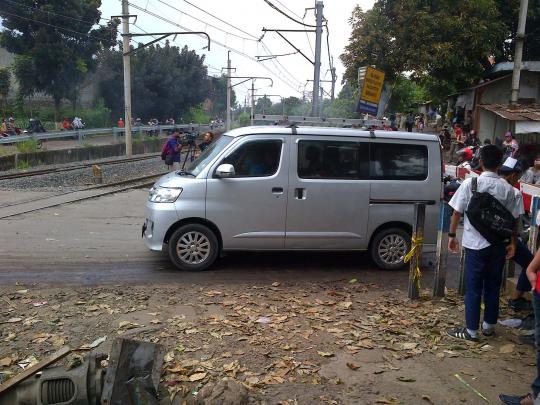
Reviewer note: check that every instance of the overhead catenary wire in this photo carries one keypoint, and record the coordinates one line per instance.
(215, 42)
(87, 35)
(54, 13)
(287, 15)
(253, 38)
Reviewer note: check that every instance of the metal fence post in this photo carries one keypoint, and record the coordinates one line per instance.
(533, 230)
(80, 135)
(461, 286)
(416, 250)
(115, 134)
(439, 281)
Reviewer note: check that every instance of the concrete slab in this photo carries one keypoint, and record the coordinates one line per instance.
(11, 197)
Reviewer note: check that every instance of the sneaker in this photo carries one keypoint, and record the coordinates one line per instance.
(461, 333)
(488, 332)
(515, 400)
(519, 304)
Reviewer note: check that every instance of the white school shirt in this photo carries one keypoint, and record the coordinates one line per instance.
(499, 188)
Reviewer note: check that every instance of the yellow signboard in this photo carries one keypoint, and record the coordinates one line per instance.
(373, 85)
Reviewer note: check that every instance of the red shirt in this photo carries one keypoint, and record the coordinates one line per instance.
(459, 133)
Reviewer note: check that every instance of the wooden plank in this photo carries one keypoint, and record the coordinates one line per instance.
(30, 371)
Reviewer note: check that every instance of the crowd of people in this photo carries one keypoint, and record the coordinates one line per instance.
(488, 243)
(171, 152)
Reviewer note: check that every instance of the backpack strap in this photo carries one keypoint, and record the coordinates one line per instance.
(474, 184)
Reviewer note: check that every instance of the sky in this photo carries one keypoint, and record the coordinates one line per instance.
(240, 28)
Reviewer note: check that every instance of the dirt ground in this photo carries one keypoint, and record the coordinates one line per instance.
(337, 342)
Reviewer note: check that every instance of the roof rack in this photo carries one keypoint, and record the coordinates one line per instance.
(318, 121)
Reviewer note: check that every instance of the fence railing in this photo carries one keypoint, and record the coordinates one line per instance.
(81, 134)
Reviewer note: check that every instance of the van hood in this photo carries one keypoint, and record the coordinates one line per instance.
(173, 180)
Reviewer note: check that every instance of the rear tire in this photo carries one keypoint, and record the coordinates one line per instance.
(193, 247)
(389, 247)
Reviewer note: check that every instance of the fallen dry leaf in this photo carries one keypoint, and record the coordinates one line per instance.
(6, 362)
(509, 348)
(325, 354)
(391, 401)
(353, 366)
(197, 377)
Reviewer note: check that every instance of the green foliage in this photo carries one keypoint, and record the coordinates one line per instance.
(244, 119)
(218, 96)
(196, 115)
(4, 83)
(166, 81)
(406, 94)
(445, 43)
(23, 164)
(52, 59)
(264, 106)
(27, 146)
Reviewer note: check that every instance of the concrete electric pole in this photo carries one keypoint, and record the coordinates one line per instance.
(317, 66)
(228, 124)
(518, 54)
(127, 77)
(252, 100)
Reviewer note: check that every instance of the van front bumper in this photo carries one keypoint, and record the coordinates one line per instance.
(159, 218)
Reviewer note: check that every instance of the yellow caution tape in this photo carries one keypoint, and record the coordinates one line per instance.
(416, 248)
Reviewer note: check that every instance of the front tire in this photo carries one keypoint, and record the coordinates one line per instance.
(389, 247)
(193, 247)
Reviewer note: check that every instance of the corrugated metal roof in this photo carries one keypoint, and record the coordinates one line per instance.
(530, 112)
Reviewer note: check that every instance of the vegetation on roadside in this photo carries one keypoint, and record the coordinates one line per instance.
(23, 164)
(27, 146)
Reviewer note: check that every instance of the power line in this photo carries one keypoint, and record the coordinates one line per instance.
(210, 25)
(219, 19)
(56, 26)
(54, 13)
(287, 15)
(214, 41)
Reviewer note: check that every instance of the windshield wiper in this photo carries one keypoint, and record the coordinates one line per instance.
(184, 173)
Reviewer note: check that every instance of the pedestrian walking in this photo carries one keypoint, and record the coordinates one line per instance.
(409, 122)
(485, 248)
(510, 145)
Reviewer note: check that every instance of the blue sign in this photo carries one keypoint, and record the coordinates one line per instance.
(366, 108)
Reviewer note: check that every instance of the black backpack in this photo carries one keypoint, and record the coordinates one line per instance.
(489, 217)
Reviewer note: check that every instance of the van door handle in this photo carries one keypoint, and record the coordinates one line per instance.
(300, 193)
(277, 190)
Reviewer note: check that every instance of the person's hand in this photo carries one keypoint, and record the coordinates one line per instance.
(531, 275)
(453, 245)
(510, 251)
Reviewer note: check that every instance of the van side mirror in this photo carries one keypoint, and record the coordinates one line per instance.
(225, 171)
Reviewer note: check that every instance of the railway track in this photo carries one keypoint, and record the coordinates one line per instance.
(75, 167)
(38, 204)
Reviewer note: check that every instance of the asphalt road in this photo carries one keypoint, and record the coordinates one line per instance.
(98, 242)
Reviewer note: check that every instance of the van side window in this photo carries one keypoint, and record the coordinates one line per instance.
(332, 160)
(390, 161)
(256, 158)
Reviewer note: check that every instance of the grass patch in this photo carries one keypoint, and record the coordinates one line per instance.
(86, 144)
(23, 164)
(28, 146)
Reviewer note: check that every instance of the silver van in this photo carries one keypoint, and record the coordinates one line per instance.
(296, 188)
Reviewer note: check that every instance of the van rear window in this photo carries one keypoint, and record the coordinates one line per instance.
(391, 161)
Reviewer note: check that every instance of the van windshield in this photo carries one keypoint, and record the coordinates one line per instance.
(208, 155)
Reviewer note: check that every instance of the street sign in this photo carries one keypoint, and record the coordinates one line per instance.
(373, 85)
(366, 108)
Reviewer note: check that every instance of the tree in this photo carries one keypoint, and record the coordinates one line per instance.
(218, 96)
(57, 42)
(4, 87)
(445, 41)
(166, 81)
(263, 106)
(406, 93)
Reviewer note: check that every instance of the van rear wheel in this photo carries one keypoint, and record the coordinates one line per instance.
(193, 247)
(389, 247)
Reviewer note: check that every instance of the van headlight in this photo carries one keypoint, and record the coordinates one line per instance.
(164, 194)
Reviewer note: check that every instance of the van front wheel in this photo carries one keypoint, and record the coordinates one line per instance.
(193, 247)
(389, 248)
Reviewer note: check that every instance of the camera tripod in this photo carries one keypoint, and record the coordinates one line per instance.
(190, 153)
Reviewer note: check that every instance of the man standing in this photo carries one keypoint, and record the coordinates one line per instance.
(484, 262)
(409, 122)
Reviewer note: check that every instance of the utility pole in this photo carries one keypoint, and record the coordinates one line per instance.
(127, 77)
(317, 67)
(518, 54)
(334, 78)
(228, 125)
(252, 100)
